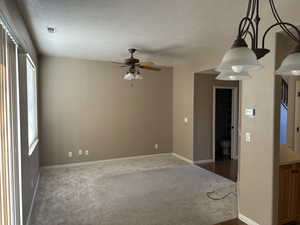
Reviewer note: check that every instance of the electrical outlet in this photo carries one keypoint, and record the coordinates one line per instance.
(86, 152)
(79, 152)
(70, 154)
(156, 146)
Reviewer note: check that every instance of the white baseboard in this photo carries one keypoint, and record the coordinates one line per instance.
(204, 161)
(28, 221)
(183, 158)
(247, 220)
(105, 160)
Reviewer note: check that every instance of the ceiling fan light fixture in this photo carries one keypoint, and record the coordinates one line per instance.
(129, 76)
(139, 77)
(239, 59)
(291, 64)
(232, 76)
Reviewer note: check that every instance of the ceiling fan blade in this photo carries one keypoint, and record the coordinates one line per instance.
(117, 63)
(150, 68)
(121, 64)
(145, 63)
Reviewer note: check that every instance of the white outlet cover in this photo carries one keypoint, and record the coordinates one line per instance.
(79, 152)
(156, 146)
(86, 152)
(70, 154)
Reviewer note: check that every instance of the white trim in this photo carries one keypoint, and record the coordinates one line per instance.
(247, 220)
(8, 30)
(33, 146)
(105, 160)
(31, 61)
(297, 119)
(33, 200)
(204, 161)
(19, 141)
(235, 105)
(183, 158)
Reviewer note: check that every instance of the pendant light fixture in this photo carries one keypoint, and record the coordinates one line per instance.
(233, 76)
(241, 60)
(291, 64)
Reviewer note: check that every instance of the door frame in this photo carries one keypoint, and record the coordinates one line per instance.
(297, 119)
(234, 121)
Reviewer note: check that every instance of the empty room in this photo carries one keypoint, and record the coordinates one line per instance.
(149, 112)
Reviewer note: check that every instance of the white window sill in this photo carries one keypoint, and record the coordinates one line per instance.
(32, 147)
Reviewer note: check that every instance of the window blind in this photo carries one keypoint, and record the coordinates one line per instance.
(10, 191)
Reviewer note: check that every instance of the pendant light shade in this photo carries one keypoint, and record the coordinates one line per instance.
(291, 64)
(133, 76)
(129, 76)
(240, 59)
(139, 77)
(232, 76)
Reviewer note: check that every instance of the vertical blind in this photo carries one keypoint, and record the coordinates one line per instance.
(10, 199)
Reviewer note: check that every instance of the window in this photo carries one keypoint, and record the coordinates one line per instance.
(32, 105)
(284, 111)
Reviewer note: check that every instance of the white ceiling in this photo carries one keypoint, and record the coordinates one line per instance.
(105, 29)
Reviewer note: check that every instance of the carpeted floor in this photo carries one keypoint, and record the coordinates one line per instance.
(156, 190)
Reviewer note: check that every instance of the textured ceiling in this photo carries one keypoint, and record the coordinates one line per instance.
(105, 29)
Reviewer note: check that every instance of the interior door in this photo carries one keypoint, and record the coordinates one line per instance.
(297, 118)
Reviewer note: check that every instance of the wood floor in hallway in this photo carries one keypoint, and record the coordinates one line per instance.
(224, 168)
(232, 222)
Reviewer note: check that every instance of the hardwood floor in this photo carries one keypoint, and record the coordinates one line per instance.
(232, 222)
(224, 168)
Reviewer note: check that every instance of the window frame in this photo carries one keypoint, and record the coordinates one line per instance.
(32, 146)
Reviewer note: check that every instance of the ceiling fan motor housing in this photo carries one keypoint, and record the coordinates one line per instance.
(131, 61)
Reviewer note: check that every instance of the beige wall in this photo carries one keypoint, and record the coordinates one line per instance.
(183, 78)
(87, 105)
(183, 99)
(257, 160)
(203, 114)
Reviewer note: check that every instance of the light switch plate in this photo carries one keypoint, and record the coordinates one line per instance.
(248, 137)
(186, 120)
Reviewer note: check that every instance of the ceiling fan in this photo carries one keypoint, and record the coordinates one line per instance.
(135, 65)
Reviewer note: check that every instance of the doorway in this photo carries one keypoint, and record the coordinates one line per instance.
(225, 123)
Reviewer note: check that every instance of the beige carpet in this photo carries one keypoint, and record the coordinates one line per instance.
(156, 190)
